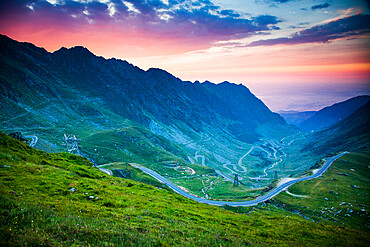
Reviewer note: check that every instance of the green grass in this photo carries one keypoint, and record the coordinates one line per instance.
(336, 189)
(38, 207)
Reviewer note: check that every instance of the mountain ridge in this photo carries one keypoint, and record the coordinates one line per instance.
(75, 67)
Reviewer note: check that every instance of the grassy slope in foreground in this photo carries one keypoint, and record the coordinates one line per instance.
(37, 207)
(345, 186)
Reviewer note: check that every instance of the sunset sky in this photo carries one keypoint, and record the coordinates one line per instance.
(296, 49)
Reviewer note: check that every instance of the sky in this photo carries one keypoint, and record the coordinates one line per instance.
(293, 54)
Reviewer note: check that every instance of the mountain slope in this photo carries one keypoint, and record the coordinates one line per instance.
(350, 134)
(332, 114)
(67, 202)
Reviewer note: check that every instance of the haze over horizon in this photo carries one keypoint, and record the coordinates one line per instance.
(300, 98)
(310, 53)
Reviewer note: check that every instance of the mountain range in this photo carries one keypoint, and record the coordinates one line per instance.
(73, 91)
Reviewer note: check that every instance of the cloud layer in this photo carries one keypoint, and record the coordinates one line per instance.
(175, 18)
(342, 28)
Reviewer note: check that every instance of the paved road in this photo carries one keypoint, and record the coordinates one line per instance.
(34, 140)
(256, 201)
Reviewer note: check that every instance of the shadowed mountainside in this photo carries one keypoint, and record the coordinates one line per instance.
(350, 134)
(333, 114)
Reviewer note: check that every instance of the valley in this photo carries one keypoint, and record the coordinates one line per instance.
(217, 181)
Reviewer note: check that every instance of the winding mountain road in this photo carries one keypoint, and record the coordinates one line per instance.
(256, 201)
(269, 156)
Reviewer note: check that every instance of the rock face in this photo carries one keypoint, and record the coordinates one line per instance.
(69, 84)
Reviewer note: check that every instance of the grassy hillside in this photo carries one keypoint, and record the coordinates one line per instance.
(61, 200)
(133, 144)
